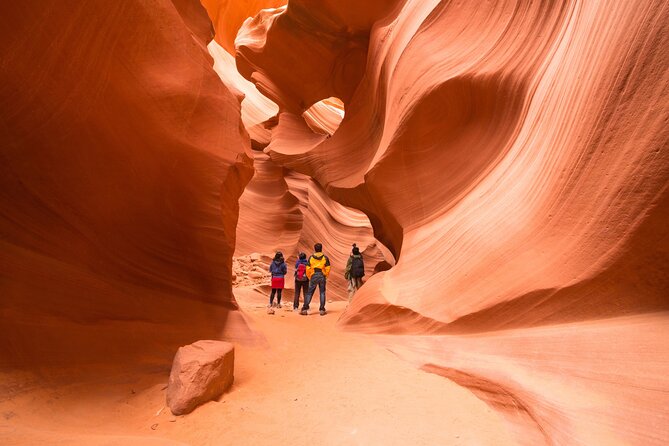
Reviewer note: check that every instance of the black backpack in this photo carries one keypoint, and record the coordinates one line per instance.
(357, 267)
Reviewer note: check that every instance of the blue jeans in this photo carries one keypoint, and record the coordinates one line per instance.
(318, 279)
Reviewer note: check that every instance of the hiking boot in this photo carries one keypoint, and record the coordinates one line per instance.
(323, 312)
(304, 313)
(278, 305)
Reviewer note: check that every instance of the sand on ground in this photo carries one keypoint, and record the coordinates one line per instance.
(301, 382)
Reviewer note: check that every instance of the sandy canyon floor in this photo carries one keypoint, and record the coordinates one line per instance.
(301, 381)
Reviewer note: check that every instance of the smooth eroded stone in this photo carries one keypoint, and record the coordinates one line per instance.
(256, 275)
(201, 372)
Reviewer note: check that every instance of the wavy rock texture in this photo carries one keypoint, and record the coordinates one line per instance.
(513, 156)
(258, 112)
(285, 211)
(227, 17)
(325, 116)
(122, 160)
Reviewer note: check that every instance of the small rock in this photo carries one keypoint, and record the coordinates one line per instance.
(255, 274)
(254, 256)
(201, 372)
(154, 426)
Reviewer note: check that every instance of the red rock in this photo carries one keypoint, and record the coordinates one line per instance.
(119, 182)
(201, 372)
(512, 156)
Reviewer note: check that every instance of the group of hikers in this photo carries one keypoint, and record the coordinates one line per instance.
(311, 273)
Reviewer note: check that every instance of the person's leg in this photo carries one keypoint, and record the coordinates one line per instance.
(271, 297)
(321, 288)
(278, 297)
(298, 289)
(351, 289)
(304, 288)
(310, 293)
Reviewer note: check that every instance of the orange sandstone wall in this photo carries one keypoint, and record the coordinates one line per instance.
(227, 16)
(513, 156)
(122, 159)
(282, 210)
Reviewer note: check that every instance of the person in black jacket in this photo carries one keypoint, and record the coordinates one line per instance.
(301, 279)
(355, 270)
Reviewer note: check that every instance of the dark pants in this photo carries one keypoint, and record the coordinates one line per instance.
(300, 287)
(278, 292)
(318, 279)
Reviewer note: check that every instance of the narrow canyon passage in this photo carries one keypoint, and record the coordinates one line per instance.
(503, 167)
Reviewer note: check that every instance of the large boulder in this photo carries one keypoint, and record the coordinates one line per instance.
(201, 372)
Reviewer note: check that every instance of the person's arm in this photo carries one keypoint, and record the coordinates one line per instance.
(284, 268)
(326, 271)
(347, 271)
(310, 269)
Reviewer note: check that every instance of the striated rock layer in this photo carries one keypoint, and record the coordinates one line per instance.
(122, 160)
(513, 156)
(282, 210)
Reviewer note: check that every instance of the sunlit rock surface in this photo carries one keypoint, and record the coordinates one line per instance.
(258, 112)
(122, 160)
(227, 16)
(513, 156)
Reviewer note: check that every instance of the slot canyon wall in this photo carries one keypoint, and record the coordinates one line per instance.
(288, 211)
(122, 160)
(513, 157)
(282, 209)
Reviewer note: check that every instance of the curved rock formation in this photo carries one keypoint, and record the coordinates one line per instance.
(258, 112)
(325, 116)
(121, 165)
(227, 16)
(282, 210)
(513, 156)
(324, 42)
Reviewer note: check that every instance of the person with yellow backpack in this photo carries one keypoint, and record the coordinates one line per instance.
(318, 269)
